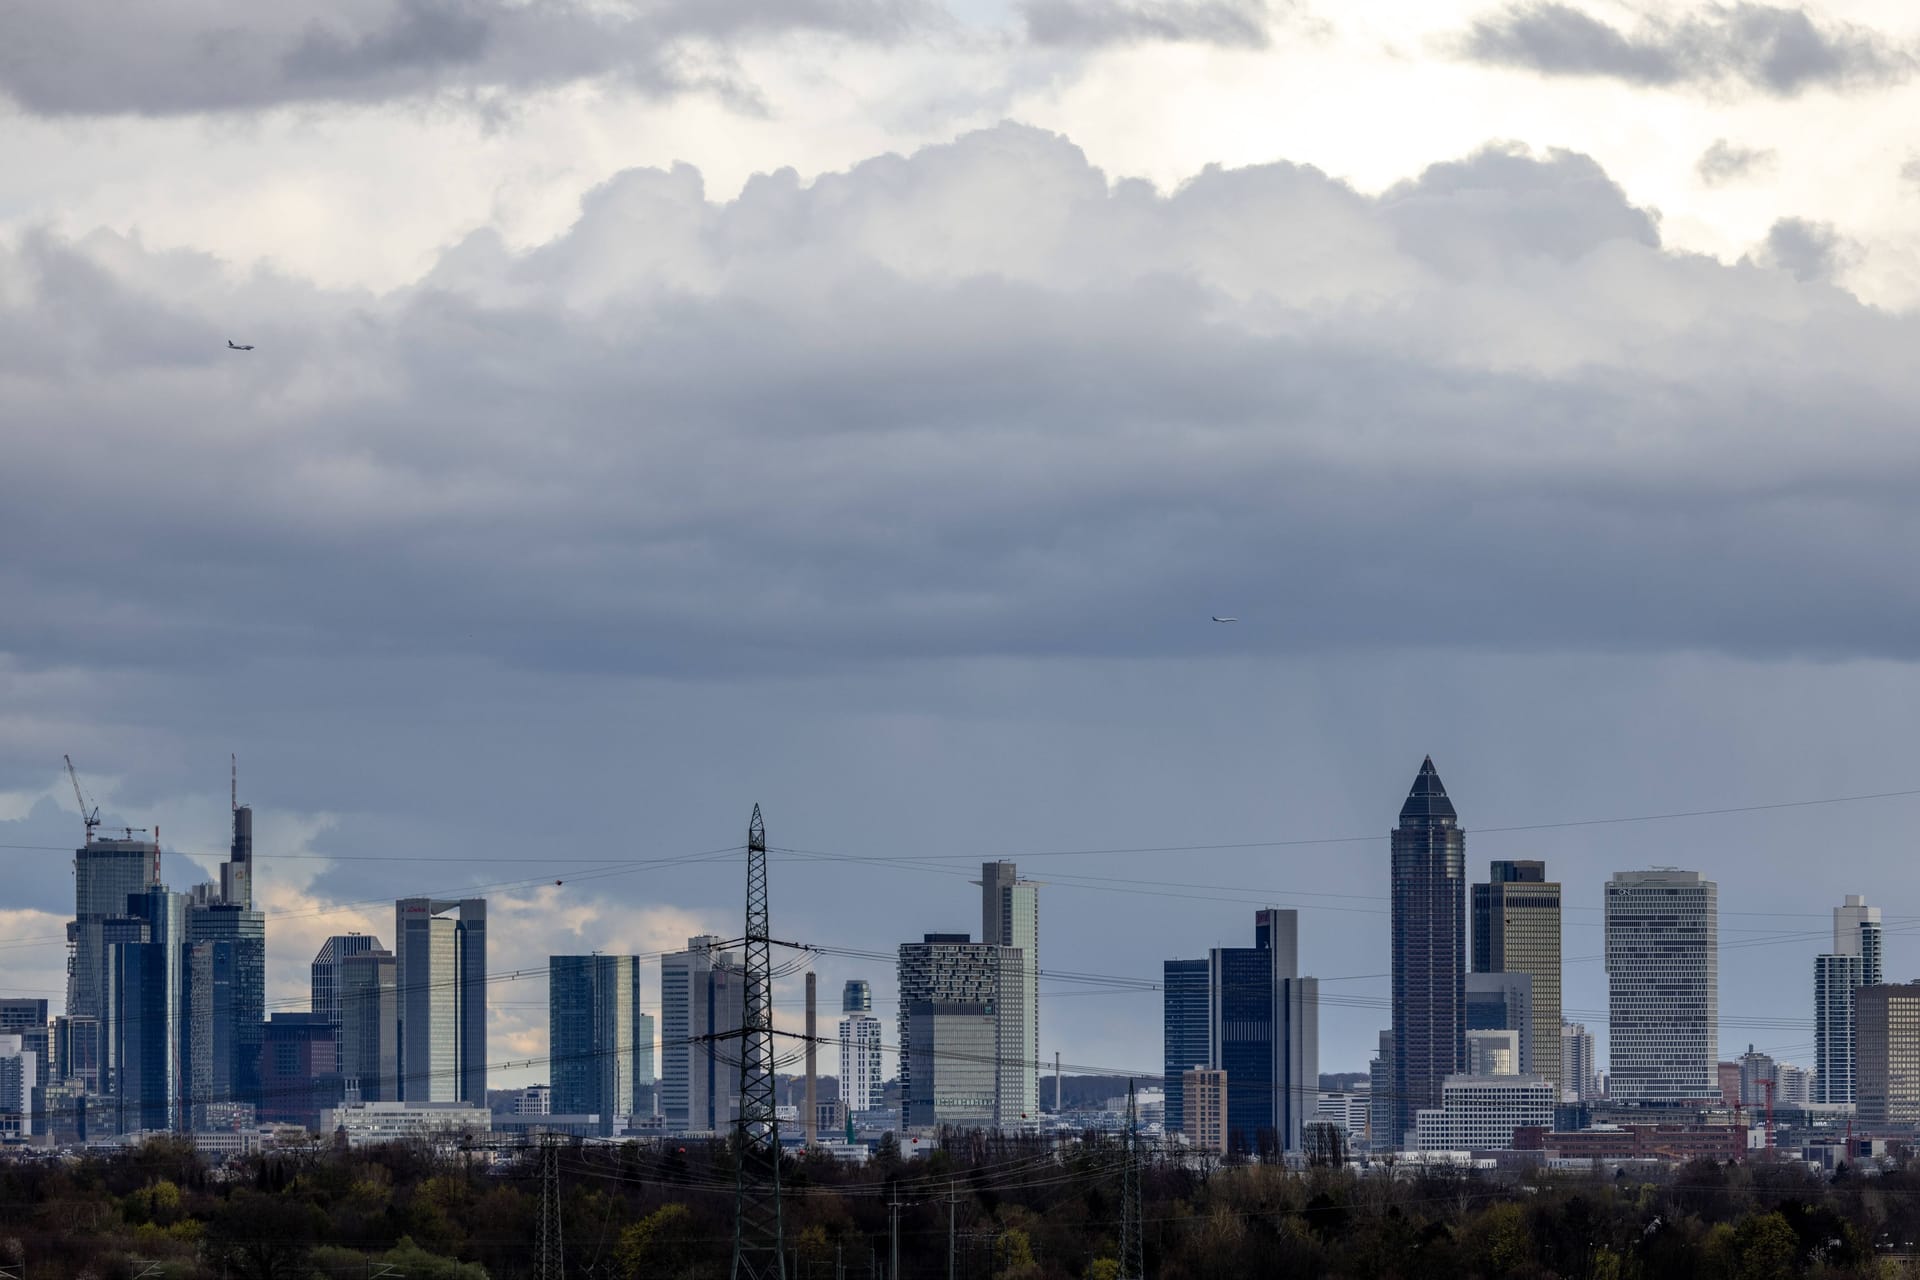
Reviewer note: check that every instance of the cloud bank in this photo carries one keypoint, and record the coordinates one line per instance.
(1093, 23)
(1769, 49)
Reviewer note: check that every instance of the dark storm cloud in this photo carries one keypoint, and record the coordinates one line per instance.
(1725, 162)
(976, 401)
(1092, 23)
(213, 55)
(1769, 48)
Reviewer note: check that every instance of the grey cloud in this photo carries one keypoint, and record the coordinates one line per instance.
(1725, 162)
(1910, 171)
(1810, 251)
(1768, 48)
(973, 401)
(210, 55)
(1092, 23)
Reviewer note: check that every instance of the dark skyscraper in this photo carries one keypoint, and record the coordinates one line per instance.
(1429, 870)
(601, 1043)
(1187, 988)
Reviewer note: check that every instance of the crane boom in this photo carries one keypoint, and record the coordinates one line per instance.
(89, 816)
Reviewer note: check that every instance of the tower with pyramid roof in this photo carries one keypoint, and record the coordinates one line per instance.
(1429, 871)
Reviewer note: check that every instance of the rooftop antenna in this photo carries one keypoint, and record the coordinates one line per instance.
(234, 760)
(89, 815)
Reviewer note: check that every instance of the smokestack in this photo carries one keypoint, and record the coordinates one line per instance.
(810, 1118)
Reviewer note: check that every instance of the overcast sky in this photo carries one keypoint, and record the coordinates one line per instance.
(860, 406)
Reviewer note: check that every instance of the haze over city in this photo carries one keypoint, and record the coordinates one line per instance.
(862, 410)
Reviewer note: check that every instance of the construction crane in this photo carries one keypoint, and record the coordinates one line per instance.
(89, 814)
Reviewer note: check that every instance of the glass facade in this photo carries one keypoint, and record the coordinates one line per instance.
(1663, 986)
(595, 1034)
(1186, 1026)
(441, 978)
(1429, 925)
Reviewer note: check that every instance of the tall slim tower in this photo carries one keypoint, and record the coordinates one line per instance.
(702, 994)
(861, 1081)
(1516, 929)
(1853, 963)
(441, 979)
(594, 1035)
(1010, 917)
(1429, 948)
(1663, 986)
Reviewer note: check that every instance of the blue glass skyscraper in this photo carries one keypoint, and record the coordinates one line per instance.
(1187, 1029)
(1429, 873)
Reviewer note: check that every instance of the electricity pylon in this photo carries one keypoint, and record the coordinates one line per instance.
(758, 1247)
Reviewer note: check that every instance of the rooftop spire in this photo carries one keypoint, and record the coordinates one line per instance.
(1427, 799)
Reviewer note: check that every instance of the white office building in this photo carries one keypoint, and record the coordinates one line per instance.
(1853, 963)
(1480, 1113)
(371, 1123)
(861, 1079)
(1663, 986)
(19, 1072)
(1578, 1080)
(1010, 917)
(1348, 1110)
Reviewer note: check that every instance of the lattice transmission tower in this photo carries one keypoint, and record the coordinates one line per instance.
(758, 1246)
(1133, 1265)
(551, 1263)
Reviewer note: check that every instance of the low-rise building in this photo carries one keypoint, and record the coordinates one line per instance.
(371, 1123)
(1676, 1142)
(1481, 1113)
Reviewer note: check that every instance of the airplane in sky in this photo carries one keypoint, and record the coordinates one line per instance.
(238, 346)
(1218, 618)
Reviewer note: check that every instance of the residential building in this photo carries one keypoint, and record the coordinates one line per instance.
(26, 1017)
(1186, 1029)
(1578, 1079)
(1854, 962)
(1383, 1133)
(599, 1041)
(1204, 1114)
(323, 975)
(1756, 1075)
(19, 1069)
(862, 1080)
(1010, 917)
(1516, 929)
(1663, 988)
(367, 995)
(1502, 1001)
(1887, 1048)
(1429, 927)
(1481, 1113)
(702, 993)
(961, 1028)
(440, 976)
(1793, 1086)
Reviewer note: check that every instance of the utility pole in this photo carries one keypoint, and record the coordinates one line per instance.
(758, 1248)
(810, 1118)
(893, 1272)
(550, 1264)
(1132, 1255)
(953, 1208)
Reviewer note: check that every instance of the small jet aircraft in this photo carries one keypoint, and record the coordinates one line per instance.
(1218, 618)
(238, 346)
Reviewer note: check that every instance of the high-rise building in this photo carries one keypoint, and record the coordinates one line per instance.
(1793, 1085)
(26, 1017)
(440, 975)
(1382, 1112)
(861, 1079)
(1757, 1071)
(1187, 1030)
(1504, 1002)
(702, 993)
(1205, 1118)
(366, 990)
(1854, 962)
(1516, 929)
(298, 1079)
(105, 874)
(227, 983)
(146, 1003)
(963, 1024)
(1429, 922)
(595, 1034)
(1010, 917)
(19, 1068)
(323, 975)
(1663, 986)
(1578, 1082)
(1887, 1048)
(1265, 1034)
